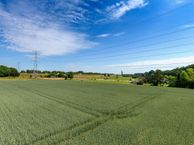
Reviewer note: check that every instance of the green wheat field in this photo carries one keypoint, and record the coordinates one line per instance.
(44, 112)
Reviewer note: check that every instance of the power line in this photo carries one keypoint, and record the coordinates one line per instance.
(144, 39)
(138, 52)
(155, 17)
(35, 65)
(155, 36)
(151, 37)
(165, 13)
(152, 65)
(148, 65)
(18, 66)
(158, 43)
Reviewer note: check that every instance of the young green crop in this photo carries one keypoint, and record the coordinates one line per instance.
(84, 113)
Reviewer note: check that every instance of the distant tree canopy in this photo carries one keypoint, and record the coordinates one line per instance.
(185, 79)
(8, 71)
(62, 74)
(180, 77)
(154, 77)
(48, 72)
(70, 75)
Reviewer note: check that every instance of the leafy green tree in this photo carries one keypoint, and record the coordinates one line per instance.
(149, 76)
(154, 77)
(65, 76)
(186, 78)
(70, 75)
(61, 74)
(171, 80)
(13, 72)
(157, 79)
(6, 71)
(23, 71)
(190, 73)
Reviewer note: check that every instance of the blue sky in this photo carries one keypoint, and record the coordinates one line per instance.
(97, 35)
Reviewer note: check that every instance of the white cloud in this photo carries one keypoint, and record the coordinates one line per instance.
(103, 35)
(110, 35)
(69, 11)
(188, 26)
(179, 1)
(119, 34)
(158, 64)
(119, 9)
(25, 34)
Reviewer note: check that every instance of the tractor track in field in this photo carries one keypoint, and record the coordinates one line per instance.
(127, 107)
(107, 118)
(125, 110)
(54, 138)
(86, 126)
(75, 106)
(70, 104)
(53, 133)
(82, 128)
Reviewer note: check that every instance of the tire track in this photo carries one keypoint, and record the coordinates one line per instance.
(127, 109)
(75, 106)
(53, 133)
(67, 134)
(84, 128)
(75, 130)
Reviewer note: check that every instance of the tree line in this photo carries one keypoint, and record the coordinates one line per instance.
(52, 74)
(8, 71)
(180, 77)
(76, 72)
(62, 74)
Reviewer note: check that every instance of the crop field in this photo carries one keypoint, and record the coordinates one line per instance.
(44, 112)
(116, 79)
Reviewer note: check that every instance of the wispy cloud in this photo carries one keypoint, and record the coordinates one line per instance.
(158, 64)
(67, 11)
(119, 9)
(119, 34)
(179, 1)
(27, 34)
(110, 35)
(188, 26)
(103, 35)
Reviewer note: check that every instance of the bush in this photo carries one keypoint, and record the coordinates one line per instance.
(8, 71)
(190, 84)
(70, 75)
(140, 82)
